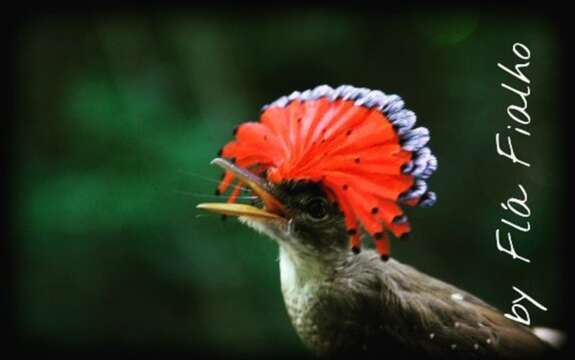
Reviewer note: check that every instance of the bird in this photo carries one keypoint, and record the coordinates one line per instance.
(332, 169)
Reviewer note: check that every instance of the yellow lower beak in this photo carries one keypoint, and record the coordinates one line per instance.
(273, 209)
(238, 210)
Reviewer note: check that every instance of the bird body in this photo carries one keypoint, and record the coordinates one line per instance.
(330, 168)
(364, 306)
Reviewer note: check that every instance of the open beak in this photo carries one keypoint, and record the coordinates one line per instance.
(272, 209)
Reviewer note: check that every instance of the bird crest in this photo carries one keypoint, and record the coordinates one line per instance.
(360, 145)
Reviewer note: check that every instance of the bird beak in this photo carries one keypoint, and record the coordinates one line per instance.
(273, 209)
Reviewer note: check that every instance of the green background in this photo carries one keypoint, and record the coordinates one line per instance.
(119, 114)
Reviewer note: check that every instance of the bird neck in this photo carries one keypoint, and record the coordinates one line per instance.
(321, 297)
(305, 283)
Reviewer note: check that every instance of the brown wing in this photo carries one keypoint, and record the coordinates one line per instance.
(452, 321)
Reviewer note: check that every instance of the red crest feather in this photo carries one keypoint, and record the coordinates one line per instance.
(359, 144)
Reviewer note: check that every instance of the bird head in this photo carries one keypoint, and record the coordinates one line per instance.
(329, 167)
(297, 214)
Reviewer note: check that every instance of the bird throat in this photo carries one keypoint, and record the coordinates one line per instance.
(300, 273)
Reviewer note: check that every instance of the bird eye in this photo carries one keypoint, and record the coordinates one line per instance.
(317, 209)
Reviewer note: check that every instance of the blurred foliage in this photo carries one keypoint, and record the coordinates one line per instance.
(119, 116)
